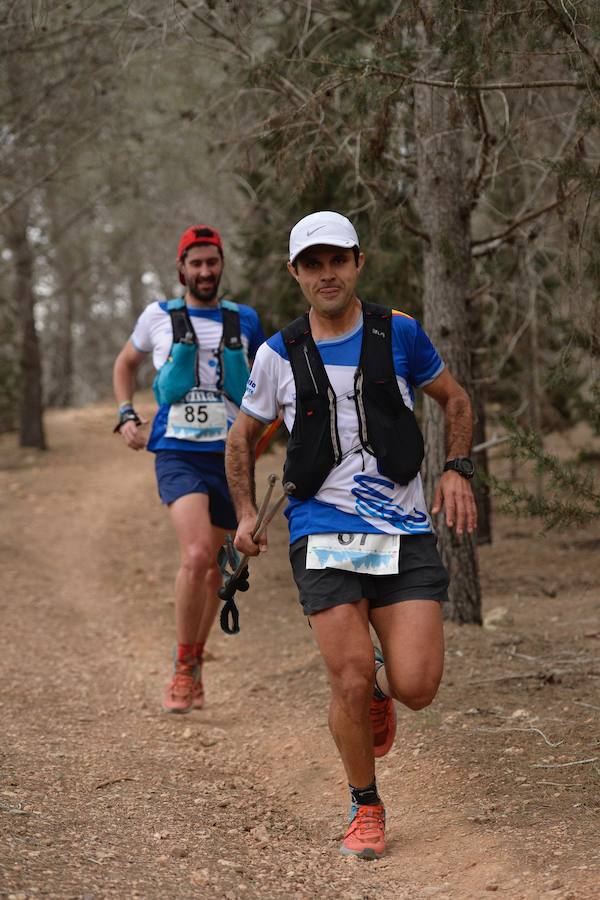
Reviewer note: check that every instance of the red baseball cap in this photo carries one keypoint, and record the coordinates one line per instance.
(197, 234)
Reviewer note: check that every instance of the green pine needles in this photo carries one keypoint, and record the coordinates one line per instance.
(570, 494)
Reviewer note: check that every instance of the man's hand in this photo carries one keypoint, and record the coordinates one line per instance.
(133, 435)
(455, 494)
(243, 537)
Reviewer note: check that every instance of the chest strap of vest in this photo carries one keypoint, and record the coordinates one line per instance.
(179, 373)
(387, 427)
(232, 335)
(375, 358)
(183, 330)
(233, 365)
(233, 362)
(312, 384)
(314, 446)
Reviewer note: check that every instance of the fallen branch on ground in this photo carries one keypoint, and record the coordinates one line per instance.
(104, 784)
(531, 728)
(577, 762)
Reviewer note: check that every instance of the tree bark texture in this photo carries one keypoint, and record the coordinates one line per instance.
(31, 406)
(61, 374)
(444, 209)
(481, 488)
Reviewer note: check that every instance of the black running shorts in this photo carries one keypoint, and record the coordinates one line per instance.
(421, 576)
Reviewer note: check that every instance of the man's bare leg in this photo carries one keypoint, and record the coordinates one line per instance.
(195, 607)
(345, 643)
(196, 600)
(213, 581)
(412, 639)
(350, 668)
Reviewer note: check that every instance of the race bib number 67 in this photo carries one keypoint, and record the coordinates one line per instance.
(370, 554)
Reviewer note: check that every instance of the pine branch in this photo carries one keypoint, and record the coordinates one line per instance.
(582, 503)
(216, 32)
(553, 511)
(573, 35)
(528, 218)
(47, 174)
(369, 71)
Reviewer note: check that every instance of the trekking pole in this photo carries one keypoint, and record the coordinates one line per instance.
(237, 563)
(230, 616)
(271, 482)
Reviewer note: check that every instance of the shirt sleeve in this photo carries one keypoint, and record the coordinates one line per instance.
(260, 399)
(140, 337)
(424, 361)
(257, 336)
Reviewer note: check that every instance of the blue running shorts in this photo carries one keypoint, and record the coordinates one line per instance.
(181, 472)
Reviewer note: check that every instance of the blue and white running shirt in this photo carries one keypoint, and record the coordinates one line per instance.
(354, 498)
(153, 333)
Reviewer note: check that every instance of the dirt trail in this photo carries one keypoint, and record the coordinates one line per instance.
(101, 795)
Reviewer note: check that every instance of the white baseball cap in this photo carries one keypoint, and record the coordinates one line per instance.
(322, 228)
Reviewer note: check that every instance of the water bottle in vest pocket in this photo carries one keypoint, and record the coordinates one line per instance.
(234, 364)
(179, 373)
(236, 375)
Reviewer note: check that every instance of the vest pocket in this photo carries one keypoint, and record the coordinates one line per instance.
(236, 372)
(177, 376)
(393, 433)
(310, 453)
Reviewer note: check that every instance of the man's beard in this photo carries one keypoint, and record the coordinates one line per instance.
(206, 291)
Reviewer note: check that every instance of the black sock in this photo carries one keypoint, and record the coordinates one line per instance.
(366, 796)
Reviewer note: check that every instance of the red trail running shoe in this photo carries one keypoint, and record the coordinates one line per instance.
(179, 693)
(383, 718)
(365, 837)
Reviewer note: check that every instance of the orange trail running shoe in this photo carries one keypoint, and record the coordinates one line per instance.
(179, 693)
(383, 718)
(365, 837)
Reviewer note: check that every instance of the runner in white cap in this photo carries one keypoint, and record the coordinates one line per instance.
(362, 545)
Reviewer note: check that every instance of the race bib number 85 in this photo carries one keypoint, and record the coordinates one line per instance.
(201, 416)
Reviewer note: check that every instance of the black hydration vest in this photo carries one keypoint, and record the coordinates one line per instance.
(388, 429)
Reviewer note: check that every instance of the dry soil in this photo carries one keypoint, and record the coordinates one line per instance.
(492, 789)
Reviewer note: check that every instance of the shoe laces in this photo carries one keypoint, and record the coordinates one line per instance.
(183, 678)
(369, 821)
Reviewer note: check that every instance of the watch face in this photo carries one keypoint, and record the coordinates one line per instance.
(466, 467)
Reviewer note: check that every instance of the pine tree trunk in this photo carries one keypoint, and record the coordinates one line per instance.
(30, 366)
(31, 407)
(62, 369)
(60, 377)
(481, 489)
(444, 210)
(535, 389)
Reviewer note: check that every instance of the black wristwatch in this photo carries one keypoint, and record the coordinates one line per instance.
(461, 464)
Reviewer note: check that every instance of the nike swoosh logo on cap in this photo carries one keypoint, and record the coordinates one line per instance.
(318, 228)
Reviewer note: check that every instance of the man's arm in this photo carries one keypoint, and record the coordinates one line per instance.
(239, 468)
(453, 491)
(126, 365)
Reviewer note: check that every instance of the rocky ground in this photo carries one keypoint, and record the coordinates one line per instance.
(492, 789)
